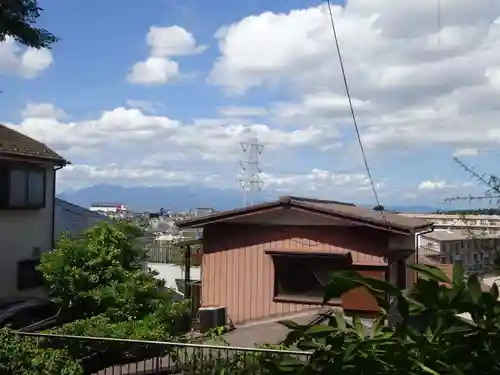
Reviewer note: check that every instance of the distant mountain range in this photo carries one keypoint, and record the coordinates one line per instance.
(180, 198)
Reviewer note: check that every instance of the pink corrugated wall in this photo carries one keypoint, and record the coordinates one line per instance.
(237, 273)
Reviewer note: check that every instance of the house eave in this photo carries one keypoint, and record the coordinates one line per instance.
(280, 205)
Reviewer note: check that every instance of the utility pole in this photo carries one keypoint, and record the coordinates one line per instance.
(251, 183)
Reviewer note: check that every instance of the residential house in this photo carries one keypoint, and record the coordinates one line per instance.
(27, 191)
(273, 259)
(474, 252)
(73, 219)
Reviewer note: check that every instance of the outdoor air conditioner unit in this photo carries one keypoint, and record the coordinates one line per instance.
(212, 317)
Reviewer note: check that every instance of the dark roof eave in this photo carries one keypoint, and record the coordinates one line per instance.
(56, 161)
(198, 222)
(393, 227)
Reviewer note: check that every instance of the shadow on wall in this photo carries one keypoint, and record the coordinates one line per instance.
(250, 235)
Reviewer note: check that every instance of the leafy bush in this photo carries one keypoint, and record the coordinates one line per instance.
(430, 336)
(24, 356)
(96, 354)
(103, 291)
(439, 327)
(87, 275)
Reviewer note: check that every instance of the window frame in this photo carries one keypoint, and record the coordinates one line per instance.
(28, 168)
(339, 261)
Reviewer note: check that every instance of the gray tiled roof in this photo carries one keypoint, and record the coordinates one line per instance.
(13, 143)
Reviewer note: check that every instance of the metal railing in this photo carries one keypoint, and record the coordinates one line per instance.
(169, 254)
(106, 356)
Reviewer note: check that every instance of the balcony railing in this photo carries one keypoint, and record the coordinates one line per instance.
(103, 356)
(171, 255)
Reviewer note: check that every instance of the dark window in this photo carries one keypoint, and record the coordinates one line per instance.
(304, 277)
(27, 274)
(22, 186)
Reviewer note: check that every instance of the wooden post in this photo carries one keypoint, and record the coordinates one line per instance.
(187, 271)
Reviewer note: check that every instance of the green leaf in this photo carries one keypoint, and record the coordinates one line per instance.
(344, 281)
(425, 368)
(474, 288)
(430, 272)
(290, 364)
(290, 324)
(458, 274)
(377, 325)
(340, 320)
(340, 283)
(320, 329)
(494, 291)
(358, 326)
(347, 356)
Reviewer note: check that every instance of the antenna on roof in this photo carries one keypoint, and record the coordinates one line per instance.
(251, 183)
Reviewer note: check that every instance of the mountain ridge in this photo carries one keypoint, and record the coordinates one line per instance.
(183, 198)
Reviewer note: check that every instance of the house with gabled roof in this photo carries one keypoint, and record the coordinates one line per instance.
(27, 198)
(273, 259)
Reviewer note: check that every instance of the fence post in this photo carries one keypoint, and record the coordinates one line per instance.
(187, 271)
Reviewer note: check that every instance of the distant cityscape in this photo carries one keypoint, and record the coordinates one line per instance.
(468, 238)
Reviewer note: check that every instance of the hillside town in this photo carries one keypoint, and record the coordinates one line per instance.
(297, 280)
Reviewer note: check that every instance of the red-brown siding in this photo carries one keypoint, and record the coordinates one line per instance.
(237, 273)
(359, 299)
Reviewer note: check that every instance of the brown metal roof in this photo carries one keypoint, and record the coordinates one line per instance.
(335, 209)
(13, 143)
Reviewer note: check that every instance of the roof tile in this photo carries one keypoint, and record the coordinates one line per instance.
(13, 143)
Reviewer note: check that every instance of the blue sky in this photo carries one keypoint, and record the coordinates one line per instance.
(174, 110)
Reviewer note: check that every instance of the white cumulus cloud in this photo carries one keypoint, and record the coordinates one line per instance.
(413, 85)
(432, 185)
(25, 62)
(164, 43)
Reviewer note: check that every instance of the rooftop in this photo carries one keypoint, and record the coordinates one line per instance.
(457, 235)
(16, 144)
(334, 209)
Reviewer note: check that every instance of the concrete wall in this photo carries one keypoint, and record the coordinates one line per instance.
(171, 272)
(21, 231)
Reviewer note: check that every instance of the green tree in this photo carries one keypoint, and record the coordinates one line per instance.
(379, 208)
(100, 283)
(103, 272)
(17, 19)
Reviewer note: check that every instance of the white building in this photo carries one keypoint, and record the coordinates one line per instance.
(475, 253)
(108, 208)
(27, 209)
(480, 224)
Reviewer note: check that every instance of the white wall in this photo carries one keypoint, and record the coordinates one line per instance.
(21, 231)
(171, 272)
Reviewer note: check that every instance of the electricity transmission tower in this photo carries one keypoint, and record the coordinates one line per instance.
(251, 183)
(492, 182)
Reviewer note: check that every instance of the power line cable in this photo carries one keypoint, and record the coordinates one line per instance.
(353, 114)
